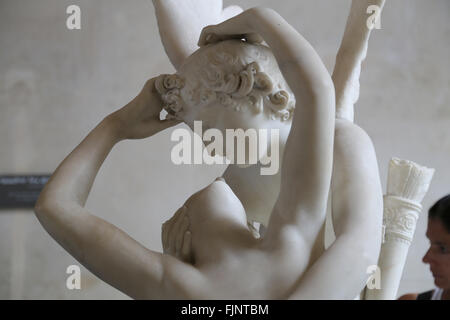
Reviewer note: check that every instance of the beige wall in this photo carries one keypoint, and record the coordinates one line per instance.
(56, 84)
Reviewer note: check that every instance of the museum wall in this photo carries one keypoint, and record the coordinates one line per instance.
(57, 84)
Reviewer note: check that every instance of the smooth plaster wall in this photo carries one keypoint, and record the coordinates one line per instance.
(57, 84)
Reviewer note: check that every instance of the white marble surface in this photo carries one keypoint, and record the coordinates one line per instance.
(56, 84)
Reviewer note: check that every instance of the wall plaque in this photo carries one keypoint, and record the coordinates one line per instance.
(21, 191)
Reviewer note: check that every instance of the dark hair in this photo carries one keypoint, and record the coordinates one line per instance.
(441, 211)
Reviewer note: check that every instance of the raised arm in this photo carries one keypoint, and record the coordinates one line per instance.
(357, 206)
(307, 163)
(299, 212)
(181, 21)
(104, 249)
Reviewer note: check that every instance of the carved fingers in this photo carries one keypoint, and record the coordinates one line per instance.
(212, 35)
(186, 252)
(176, 236)
(230, 12)
(165, 231)
(234, 28)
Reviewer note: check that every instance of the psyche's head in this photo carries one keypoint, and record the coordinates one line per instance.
(229, 85)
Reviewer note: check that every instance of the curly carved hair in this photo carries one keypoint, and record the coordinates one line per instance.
(232, 73)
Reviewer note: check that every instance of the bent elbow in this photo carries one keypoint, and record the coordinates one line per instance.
(43, 211)
(41, 205)
(44, 205)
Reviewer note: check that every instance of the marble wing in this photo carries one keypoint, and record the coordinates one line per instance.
(364, 16)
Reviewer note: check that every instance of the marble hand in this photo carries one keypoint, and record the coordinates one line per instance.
(181, 21)
(176, 236)
(236, 28)
(140, 118)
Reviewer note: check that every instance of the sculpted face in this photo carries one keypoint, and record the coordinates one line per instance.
(229, 85)
(438, 256)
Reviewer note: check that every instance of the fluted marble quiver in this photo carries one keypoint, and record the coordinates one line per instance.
(407, 185)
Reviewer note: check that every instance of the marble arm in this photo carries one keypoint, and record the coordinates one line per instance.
(181, 21)
(101, 247)
(347, 70)
(357, 203)
(307, 163)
